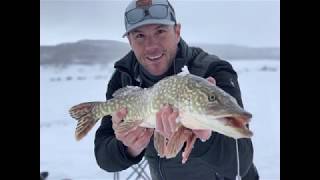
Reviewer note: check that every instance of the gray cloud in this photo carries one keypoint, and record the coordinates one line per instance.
(252, 23)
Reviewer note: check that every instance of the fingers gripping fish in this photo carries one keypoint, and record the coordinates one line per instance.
(201, 105)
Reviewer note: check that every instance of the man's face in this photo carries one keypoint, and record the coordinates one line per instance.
(155, 46)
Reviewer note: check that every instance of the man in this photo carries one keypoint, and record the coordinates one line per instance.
(159, 51)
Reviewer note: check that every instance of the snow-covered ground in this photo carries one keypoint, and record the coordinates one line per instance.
(64, 157)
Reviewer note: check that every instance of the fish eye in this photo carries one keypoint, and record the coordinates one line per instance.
(212, 98)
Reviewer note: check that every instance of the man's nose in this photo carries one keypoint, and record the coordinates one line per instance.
(151, 44)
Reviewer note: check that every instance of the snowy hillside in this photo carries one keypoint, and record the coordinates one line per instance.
(64, 157)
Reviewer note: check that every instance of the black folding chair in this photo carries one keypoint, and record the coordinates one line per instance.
(139, 172)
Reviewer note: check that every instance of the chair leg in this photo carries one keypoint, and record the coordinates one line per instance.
(139, 170)
(116, 176)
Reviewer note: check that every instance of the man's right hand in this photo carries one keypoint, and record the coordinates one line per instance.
(136, 139)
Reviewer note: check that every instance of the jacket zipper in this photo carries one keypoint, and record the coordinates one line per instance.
(160, 172)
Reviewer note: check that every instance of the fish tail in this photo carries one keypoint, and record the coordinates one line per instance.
(86, 116)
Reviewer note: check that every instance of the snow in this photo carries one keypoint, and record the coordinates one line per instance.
(64, 157)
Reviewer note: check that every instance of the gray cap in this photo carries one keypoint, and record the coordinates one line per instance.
(170, 19)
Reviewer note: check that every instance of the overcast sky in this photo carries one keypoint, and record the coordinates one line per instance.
(251, 23)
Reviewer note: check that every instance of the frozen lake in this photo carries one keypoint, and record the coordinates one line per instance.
(63, 157)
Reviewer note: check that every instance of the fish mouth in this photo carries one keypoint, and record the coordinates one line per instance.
(239, 122)
(235, 121)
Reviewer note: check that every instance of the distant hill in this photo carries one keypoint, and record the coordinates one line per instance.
(233, 52)
(83, 52)
(107, 51)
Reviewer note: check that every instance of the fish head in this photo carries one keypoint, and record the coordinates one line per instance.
(219, 111)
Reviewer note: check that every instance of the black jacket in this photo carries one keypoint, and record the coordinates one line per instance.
(210, 160)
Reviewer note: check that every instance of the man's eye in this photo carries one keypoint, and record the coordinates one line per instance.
(160, 31)
(138, 36)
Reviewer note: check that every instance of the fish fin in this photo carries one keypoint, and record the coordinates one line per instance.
(176, 142)
(159, 144)
(127, 125)
(83, 113)
(184, 71)
(126, 90)
(82, 109)
(188, 148)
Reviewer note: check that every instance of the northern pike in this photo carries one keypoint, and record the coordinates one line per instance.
(201, 105)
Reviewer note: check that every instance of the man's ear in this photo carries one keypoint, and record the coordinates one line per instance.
(129, 39)
(129, 36)
(177, 29)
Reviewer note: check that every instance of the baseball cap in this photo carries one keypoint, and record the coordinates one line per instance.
(143, 12)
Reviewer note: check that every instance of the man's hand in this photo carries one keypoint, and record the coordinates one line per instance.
(166, 124)
(136, 139)
(166, 121)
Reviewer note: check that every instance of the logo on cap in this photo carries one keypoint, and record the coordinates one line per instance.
(140, 3)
